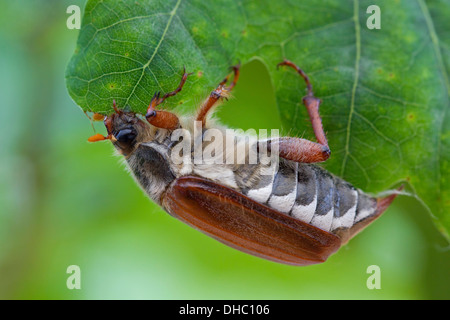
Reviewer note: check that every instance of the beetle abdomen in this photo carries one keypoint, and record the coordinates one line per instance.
(311, 194)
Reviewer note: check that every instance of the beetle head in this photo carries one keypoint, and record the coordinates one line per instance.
(125, 130)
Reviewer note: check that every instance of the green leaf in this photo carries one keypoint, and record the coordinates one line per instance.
(385, 92)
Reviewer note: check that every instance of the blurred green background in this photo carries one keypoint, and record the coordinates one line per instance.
(66, 202)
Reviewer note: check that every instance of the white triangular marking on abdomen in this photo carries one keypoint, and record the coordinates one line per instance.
(347, 220)
(364, 214)
(283, 203)
(323, 221)
(305, 213)
(261, 195)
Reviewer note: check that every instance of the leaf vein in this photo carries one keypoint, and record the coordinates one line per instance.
(445, 80)
(355, 82)
(169, 21)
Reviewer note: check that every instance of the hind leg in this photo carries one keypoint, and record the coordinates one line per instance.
(302, 150)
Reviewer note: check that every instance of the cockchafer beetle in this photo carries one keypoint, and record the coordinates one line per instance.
(297, 213)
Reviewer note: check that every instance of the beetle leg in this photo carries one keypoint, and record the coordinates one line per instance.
(299, 150)
(235, 78)
(221, 91)
(161, 118)
(302, 150)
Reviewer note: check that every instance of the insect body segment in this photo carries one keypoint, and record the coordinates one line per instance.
(311, 194)
(290, 211)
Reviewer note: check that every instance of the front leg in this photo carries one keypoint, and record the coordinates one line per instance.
(302, 150)
(221, 91)
(161, 118)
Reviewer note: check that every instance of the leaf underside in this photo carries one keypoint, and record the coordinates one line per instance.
(384, 92)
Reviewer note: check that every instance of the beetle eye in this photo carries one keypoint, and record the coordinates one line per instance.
(126, 135)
